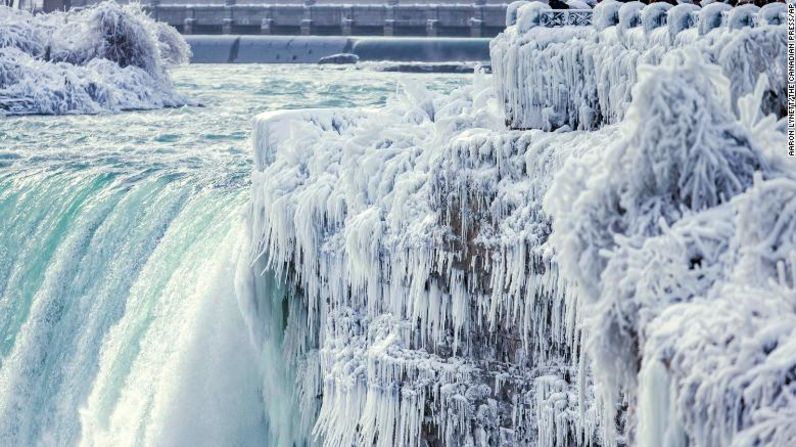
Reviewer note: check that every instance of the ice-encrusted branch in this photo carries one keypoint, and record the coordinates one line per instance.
(652, 232)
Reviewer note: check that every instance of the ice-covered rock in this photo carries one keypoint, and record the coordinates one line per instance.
(426, 303)
(103, 58)
(340, 58)
(448, 281)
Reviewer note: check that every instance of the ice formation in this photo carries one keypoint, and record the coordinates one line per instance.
(627, 279)
(581, 76)
(664, 234)
(104, 58)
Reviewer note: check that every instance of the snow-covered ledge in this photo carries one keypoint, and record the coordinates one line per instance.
(270, 129)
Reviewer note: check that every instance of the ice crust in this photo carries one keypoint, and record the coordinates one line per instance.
(581, 76)
(105, 58)
(453, 282)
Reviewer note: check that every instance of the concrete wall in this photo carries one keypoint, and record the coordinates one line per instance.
(420, 49)
(54, 5)
(309, 49)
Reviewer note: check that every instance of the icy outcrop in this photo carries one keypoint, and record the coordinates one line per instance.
(104, 58)
(429, 312)
(452, 282)
(582, 76)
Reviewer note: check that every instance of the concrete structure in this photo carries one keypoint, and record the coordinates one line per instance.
(310, 49)
(311, 19)
(445, 18)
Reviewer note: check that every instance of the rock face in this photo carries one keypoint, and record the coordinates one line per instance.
(421, 275)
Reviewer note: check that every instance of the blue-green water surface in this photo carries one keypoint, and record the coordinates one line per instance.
(118, 240)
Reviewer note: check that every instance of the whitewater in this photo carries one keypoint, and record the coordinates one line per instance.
(119, 319)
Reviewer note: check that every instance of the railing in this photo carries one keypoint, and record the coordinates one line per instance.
(568, 17)
(592, 85)
(704, 19)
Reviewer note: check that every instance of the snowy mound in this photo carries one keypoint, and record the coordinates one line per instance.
(104, 58)
(582, 76)
(443, 280)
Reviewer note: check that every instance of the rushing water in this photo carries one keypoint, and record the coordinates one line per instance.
(119, 236)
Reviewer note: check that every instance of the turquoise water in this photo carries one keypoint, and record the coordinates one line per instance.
(119, 237)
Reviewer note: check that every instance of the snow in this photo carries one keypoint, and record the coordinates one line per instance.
(654, 16)
(668, 279)
(511, 11)
(680, 18)
(105, 58)
(772, 14)
(629, 16)
(626, 279)
(529, 16)
(578, 4)
(742, 16)
(606, 14)
(581, 76)
(712, 16)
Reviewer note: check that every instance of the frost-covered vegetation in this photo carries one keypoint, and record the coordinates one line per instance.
(104, 58)
(680, 238)
(582, 76)
(444, 280)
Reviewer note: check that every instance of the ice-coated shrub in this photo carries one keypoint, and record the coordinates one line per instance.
(582, 76)
(103, 58)
(663, 221)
